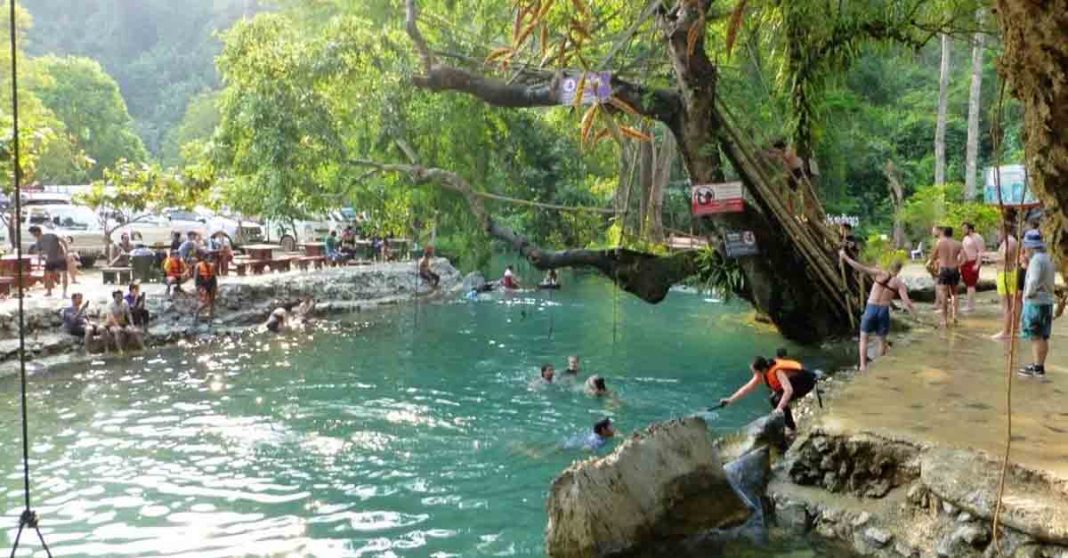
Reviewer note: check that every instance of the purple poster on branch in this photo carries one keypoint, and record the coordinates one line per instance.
(596, 89)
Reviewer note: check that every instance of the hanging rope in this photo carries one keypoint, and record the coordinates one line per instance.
(1008, 266)
(28, 517)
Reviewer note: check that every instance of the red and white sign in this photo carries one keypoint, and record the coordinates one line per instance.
(709, 199)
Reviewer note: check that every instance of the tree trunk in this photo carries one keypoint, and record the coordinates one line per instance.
(940, 126)
(647, 168)
(972, 149)
(665, 160)
(897, 200)
(1033, 63)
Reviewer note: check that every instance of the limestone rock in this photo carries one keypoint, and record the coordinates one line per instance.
(968, 480)
(877, 537)
(664, 482)
(767, 431)
(473, 281)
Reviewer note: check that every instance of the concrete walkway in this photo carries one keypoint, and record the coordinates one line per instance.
(948, 388)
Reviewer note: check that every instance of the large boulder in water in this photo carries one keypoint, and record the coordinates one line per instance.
(473, 281)
(664, 482)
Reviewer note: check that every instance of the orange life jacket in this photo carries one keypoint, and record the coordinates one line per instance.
(205, 270)
(790, 367)
(172, 267)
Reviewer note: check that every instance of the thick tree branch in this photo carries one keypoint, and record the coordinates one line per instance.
(647, 276)
(661, 104)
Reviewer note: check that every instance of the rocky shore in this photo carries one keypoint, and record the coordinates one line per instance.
(243, 303)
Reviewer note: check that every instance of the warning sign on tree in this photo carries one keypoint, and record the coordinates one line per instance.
(709, 199)
(740, 243)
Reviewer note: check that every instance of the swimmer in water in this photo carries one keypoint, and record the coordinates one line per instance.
(572, 366)
(602, 431)
(595, 386)
(277, 321)
(546, 377)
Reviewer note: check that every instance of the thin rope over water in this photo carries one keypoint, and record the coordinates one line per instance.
(28, 517)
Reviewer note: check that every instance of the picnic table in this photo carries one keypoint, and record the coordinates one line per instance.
(9, 265)
(313, 248)
(261, 251)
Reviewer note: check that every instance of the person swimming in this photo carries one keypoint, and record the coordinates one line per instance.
(602, 431)
(545, 378)
(276, 322)
(596, 387)
(572, 366)
(509, 281)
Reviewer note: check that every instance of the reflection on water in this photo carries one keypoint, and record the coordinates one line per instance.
(405, 432)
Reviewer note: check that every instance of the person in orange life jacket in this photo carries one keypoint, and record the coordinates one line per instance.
(175, 271)
(207, 283)
(786, 379)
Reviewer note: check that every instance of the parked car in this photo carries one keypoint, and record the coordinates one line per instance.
(76, 222)
(238, 229)
(291, 233)
(157, 228)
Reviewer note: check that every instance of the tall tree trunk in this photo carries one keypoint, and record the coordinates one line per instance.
(1033, 63)
(940, 126)
(972, 150)
(897, 200)
(665, 160)
(647, 166)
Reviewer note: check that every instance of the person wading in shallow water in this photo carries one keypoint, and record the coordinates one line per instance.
(787, 380)
(876, 318)
(1036, 322)
(973, 246)
(949, 254)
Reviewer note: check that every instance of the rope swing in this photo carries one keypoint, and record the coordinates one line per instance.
(28, 519)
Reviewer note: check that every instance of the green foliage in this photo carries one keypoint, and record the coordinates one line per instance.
(718, 275)
(880, 249)
(945, 206)
(87, 101)
(160, 51)
(130, 188)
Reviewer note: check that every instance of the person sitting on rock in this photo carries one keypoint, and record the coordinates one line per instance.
(120, 324)
(425, 271)
(174, 269)
(77, 324)
(787, 380)
(136, 300)
(602, 431)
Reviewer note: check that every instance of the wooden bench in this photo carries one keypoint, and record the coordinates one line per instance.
(303, 262)
(280, 264)
(5, 285)
(243, 267)
(117, 275)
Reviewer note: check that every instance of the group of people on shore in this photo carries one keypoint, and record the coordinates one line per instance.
(1025, 285)
(122, 327)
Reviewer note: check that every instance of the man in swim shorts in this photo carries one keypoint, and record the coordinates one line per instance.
(1036, 321)
(876, 318)
(972, 246)
(1008, 271)
(948, 254)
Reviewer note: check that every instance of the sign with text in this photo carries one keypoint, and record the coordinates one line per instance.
(740, 243)
(851, 220)
(1014, 187)
(709, 199)
(596, 89)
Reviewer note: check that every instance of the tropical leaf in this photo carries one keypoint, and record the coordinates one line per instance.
(588, 120)
(623, 106)
(498, 53)
(634, 134)
(734, 25)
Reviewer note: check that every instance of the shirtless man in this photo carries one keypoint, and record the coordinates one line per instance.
(876, 319)
(972, 245)
(948, 253)
(1008, 270)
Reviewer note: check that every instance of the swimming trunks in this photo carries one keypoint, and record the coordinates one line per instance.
(1036, 322)
(1021, 278)
(949, 276)
(876, 319)
(969, 273)
(1007, 282)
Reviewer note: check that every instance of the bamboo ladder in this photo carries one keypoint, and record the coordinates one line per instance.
(815, 240)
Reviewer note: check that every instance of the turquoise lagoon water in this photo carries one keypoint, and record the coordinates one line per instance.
(409, 431)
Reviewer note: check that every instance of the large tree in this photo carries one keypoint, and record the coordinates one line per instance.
(1035, 63)
(807, 301)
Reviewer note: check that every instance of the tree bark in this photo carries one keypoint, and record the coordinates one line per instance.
(897, 201)
(972, 149)
(646, 170)
(665, 160)
(1035, 65)
(940, 125)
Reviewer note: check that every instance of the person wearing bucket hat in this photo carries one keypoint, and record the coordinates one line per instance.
(1036, 321)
